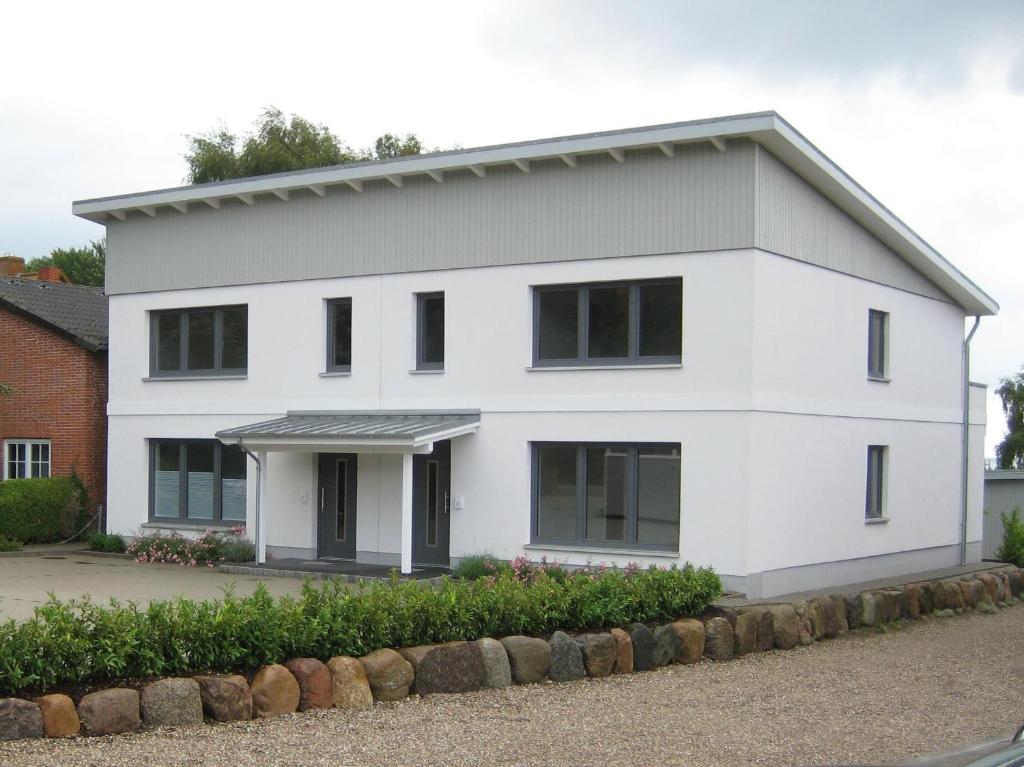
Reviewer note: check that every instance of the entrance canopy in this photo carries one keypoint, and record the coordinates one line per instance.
(354, 431)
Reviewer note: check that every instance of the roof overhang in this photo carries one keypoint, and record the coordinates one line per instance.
(765, 128)
(353, 431)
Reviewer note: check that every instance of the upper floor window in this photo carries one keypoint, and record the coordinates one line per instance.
(620, 323)
(26, 458)
(878, 344)
(877, 459)
(199, 342)
(430, 331)
(339, 335)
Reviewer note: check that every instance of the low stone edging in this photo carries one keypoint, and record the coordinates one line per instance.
(343, 682)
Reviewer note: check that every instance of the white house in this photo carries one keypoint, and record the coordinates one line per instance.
(692, 342)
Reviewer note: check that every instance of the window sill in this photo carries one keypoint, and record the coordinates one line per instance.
(336, 374)
(603, 550)
(173, 524)
(876, 521)
(232, 377)
(427, 372)
(631, 366)
(879, 379)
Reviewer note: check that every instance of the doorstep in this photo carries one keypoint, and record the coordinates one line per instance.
(346, 571)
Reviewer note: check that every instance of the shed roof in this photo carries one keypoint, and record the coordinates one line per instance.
(77, 312)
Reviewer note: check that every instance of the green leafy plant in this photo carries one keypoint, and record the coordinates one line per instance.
(1012, 547)
(238, 550)
(9, 544)
(207, 549)
(80, 642)
(39, 510)
(478, 566)
(108, 542)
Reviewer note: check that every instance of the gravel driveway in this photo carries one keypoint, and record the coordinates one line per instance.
(863, 698)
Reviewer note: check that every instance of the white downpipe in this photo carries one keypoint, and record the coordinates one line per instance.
(966, 437)
(406, 513)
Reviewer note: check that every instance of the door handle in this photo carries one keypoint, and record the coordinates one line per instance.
(446, 499)
(323, 506)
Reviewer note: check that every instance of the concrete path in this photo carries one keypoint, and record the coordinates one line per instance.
(25, 581)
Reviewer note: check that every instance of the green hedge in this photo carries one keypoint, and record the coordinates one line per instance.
(40, 510)
(77, 642)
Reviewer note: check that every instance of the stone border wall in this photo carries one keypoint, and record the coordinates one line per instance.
(302, 684)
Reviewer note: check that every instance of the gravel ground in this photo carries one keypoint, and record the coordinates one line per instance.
(865, 698)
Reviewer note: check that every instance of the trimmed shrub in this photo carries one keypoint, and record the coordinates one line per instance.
(9, 544)
(1012, 547)
(39, 510)
(80, 642)
(109, 542)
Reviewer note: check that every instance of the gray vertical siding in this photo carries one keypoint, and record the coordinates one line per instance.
(1004, 492)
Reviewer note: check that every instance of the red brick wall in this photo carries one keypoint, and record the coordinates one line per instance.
(60, 395)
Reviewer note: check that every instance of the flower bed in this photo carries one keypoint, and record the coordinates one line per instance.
(212, 547)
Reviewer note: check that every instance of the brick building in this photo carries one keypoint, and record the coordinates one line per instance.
(53, 356)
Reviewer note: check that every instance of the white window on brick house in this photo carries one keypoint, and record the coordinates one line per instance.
(26, 458)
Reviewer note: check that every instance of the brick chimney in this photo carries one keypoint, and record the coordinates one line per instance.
(11, 265)
(51, 274)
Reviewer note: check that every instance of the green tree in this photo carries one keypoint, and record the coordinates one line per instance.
(1010, 452)
(5, 389)
(83, 266)
(279, 144)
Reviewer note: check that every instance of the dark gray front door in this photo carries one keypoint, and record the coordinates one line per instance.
(336, 495)
(431, 491)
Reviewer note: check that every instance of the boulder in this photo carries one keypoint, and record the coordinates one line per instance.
(529, 658)
(389, 674)
(816, 615)
(497, 671)
(1016, 582)
(623, 652)
(925, 599)
(667, 647)
(449, 667)
(717, 611)
(953, 595)
(110, 712)
(745, 633)
(20, 719)
(274, 692)
(315, 683)
(854, 611)
(643, 647)
(349, 685)
(842, 621)
(60, 719)
(719, 642)
(991, 587)
(1003, 580)
(912, 596)
(566, 659)
(973, 593)
(805, 627)
(226, 698)
(599, 651)
(888, 605)
(691, 640)
(764, 639)
(171, 703)
(786, 626)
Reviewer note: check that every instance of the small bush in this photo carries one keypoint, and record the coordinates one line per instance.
(175, 549)
(39, 510)
(9, 544)
(1012, 547)
(238, 550)
(79, 642)
(478, 566)
(108, 542)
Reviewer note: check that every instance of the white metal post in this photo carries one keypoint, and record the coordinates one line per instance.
(406, 513)
(261, 510)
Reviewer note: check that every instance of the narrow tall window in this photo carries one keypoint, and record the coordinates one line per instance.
(875, 506)
(339, 335)
(199, 342)
(430, 331)
(878, 344)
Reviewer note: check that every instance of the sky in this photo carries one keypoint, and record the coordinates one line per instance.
(921, 101)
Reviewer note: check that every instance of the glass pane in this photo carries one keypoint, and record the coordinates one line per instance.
(40, 460)
(558, 321)
(200, 480)
(609, 322)
(606, 494)
(165, 480)
(235, 353)
(876, 343)
(432, 503)
(874, 501)
(17, 463)
(432, 331)
(556, 493)
(661, 320)
(200, 341)
(232, 484)
(341, 354)
(657, 502)
(168, 342)
(342, 503)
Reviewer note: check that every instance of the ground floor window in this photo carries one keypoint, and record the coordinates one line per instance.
(877, 459)
(606, 494)
(26, 458)
(197, 480)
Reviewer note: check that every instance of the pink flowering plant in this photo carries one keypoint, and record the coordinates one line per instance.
(210, 548)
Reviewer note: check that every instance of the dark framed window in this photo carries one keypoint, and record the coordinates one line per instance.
(588, 494)
(197, 480)
(877, 459)
(430, 331)
(339, 335)
(878, 344)
(611, 323)
(199, 342)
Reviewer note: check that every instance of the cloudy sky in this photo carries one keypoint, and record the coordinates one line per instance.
(922, 101)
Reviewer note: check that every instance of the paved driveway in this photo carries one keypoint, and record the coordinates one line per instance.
(25, 581)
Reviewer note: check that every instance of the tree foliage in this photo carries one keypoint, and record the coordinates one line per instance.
(83, 266)
(1010, 452)
(278, 144)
